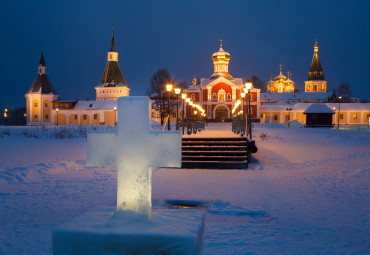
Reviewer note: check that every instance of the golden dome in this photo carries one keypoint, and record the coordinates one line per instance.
(221, 55)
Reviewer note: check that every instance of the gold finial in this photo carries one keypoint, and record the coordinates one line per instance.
(280, 67)
(221, 42)
(316, 41)
(194, 81)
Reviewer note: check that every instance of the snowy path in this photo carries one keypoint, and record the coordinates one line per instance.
(306, 192)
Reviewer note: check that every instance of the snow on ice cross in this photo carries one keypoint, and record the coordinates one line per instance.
(134, 148)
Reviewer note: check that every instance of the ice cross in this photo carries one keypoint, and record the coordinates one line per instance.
(134, 148)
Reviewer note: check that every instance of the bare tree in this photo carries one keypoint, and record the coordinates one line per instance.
(157, 91)
(258, 83)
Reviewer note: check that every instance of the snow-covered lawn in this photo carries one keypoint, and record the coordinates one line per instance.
(307, 192)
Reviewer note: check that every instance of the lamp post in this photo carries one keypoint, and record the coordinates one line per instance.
(334, 114)
(177, 92)
(25, 117)
(248, 86)
(6, 116)
(169, 88)
(289, 109)
(57, 116)
(183, 96)
(115, 115)
(339, 98)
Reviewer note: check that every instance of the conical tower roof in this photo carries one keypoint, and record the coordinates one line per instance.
(112, 73)
(316, 72)
(42, 83)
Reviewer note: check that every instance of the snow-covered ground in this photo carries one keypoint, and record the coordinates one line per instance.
(307, 192)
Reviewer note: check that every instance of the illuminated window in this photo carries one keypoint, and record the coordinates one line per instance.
(95, 116)
(275, 117)
(221, 95)
(341, 116)
(355, 116)
(36, 105)
(315, 88)
(308, 87)
(209, 95)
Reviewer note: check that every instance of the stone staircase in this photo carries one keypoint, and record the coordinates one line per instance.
(224, 153)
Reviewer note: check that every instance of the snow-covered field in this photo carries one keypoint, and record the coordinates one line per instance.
(307, 192)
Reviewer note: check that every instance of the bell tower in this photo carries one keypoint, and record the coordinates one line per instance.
(112, 84)
(316, 80)
(39, 97)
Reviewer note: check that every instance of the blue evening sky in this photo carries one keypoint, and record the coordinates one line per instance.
(180, 36)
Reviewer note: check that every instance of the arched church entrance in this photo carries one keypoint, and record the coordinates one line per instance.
(221, 114)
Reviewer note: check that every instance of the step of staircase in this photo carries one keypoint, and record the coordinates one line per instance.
(214, 153)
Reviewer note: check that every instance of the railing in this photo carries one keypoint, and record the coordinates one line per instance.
(193, 126)
(164, 127)
(238, 125)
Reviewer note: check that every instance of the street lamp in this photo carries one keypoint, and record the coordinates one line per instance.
(169, 88)
(183, 96)
(339, 98)
(177, 92)
(289, 109)
(6, 116)
(115, 115)
(248, 86)
(334, 115)
(57, 116)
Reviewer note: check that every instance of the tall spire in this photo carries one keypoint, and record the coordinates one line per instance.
(42, 61)
(316, 72)
(112, 46)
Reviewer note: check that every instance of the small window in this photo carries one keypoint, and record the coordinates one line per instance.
(46, 116)
(315, 88)
(192, 97)
(275, 117)
(110, 56)
(214, 96)
(36, 105)
(95, 116)
(46, 104)
(75, 116)
(341, 116)
(355, 116)
(35, 116)
(85, 117)
(228, 96)
(221, 97)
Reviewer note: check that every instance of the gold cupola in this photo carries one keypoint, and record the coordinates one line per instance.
(221, 60)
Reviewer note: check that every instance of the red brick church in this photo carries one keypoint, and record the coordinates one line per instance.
(219, 93)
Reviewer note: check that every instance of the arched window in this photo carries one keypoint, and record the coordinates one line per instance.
(221, 95)
(192, 97)
(214, 96)
(228, 96)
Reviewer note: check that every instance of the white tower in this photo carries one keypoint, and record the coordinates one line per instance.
(39, 98)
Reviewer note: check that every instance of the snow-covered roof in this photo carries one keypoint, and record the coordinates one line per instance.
(205, 81)
(304, 106)
(319, 108)
(95, 105)
(295, 96)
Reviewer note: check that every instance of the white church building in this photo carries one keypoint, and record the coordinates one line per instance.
(45, 108)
